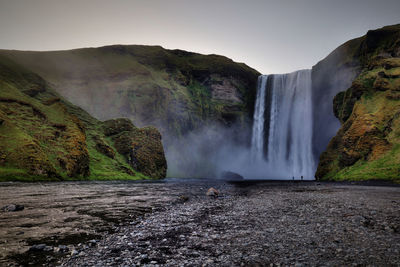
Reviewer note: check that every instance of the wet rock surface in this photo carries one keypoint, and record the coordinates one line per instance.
(306, 223)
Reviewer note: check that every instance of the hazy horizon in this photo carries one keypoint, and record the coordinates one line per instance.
(269, 36)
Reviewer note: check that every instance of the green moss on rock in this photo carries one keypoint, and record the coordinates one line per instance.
(43, 137)
(142, 148)
(367, 144)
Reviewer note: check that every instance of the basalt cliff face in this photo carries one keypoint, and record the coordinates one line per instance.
(367, 145)
(43, 137)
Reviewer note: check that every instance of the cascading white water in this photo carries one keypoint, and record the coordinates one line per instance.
(257, 139)
(288, 151)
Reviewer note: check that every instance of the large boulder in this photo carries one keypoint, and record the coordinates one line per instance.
(141, 147)
(228, 175)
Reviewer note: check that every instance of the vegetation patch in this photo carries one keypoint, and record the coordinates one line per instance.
(367, 146)
(45, 138)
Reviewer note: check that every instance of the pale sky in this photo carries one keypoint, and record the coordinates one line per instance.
(271, 36)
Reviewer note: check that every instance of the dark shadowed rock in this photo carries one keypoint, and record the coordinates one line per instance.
(39, 247)
(34, 90)
(12, 207)
(228, 175)
(183, 198)
(103, 148)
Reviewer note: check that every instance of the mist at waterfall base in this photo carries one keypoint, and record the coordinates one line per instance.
(208, 152)
(280, 145)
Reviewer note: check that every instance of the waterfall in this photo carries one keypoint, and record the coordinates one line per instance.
(282, 129)
(257, 139)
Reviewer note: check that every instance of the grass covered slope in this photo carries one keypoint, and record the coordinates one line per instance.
(174, 90)
(367, 146)
(43, 137)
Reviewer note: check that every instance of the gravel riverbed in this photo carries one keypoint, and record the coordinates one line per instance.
(248, 224)
(262, 224)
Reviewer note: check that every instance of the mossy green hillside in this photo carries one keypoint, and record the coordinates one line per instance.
(43, 137)
(173, 90)
(367, 145)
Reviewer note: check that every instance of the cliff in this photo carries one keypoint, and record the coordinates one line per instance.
(182, 94)
(44, 137)
(173, 90)
(188, 96)
(367, 145)
(330, 76)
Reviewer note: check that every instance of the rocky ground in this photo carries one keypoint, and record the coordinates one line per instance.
(59, 216)
(251, 224)
(312, 224)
